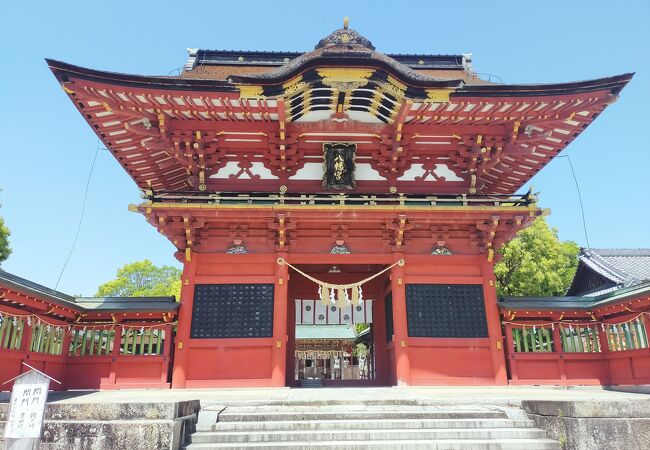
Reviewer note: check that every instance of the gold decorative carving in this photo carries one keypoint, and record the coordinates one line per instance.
(438, 95)
(251, 92)
(345, 79)
(294, 86)
(390, 88)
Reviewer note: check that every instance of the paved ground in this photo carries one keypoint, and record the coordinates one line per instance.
(506, 396)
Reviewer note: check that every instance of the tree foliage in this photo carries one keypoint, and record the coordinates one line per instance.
(5, 250)
(143, 279)
(359, 327)
(536, 263)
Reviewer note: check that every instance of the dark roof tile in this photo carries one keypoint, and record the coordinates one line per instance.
(88, 304)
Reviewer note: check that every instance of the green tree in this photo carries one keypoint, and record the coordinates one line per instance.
(536, 263)
(143, 279)
(359, 327)
(5, 250)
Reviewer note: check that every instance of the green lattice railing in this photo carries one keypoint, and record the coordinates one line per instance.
(11, 333)
(139, 341)
(91, 342)
(46, 339)
(580, 339)
(534, 339)
(630, 335)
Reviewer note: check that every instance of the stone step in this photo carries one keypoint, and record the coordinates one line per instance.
(371, 424)
(368, 435)
(352, 408)
(357, 415)
(440, 444)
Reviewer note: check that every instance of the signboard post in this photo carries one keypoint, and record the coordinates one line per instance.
(26, 410)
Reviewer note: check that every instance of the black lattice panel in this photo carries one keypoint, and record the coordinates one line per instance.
(446, 310)
(388, 304)
(232, 311)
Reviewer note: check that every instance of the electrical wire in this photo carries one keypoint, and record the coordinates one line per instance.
(582, 209)
(81, 218)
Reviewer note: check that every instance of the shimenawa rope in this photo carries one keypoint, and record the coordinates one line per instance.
(338, 293)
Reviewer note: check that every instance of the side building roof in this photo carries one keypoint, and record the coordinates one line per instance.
(87, 304)
(604, 278)
(576, 302)
(603, 270)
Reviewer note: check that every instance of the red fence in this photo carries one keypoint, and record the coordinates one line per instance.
(116, 356)
(579, 353)
(109, 356)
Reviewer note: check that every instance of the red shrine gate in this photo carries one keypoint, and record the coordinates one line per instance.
(342, 156)
(222, 357)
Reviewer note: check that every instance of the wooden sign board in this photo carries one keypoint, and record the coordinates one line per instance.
(339, 166)
(26, 411)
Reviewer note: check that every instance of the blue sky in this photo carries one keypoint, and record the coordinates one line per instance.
(47, 148)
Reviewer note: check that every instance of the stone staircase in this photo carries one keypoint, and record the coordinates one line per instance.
(369, 425)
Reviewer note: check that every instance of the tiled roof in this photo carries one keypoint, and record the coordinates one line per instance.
(630, 263)
(620, 267)
(201, 57)
(621, 273)
(88, 304)
(571, 303)
(37, 290)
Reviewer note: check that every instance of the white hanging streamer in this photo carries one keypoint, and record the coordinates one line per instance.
(340, 287)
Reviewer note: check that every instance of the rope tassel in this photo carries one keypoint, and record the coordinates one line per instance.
(355, 295)
(324, 294)
(341, 298)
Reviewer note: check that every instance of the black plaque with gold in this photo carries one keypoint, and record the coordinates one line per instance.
(338, 164)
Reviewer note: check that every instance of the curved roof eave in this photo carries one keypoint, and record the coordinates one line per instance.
(570, 303)
(63, 71)
(614, 84)
(88, 304)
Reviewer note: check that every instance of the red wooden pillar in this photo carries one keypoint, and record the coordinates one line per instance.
(166, 352)
(603, 342)
(494, 325)
(379, 343)
(65, 351)
(279, 360)
(115, 353)
(557, 345)
(26, 338)
(290, 349)
(400, 326)
(510, 353)
(181, 343)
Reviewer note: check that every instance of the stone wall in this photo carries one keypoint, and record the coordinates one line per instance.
(594, 425)
(109, 426)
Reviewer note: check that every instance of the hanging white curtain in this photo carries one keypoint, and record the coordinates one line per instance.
(314, 312)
